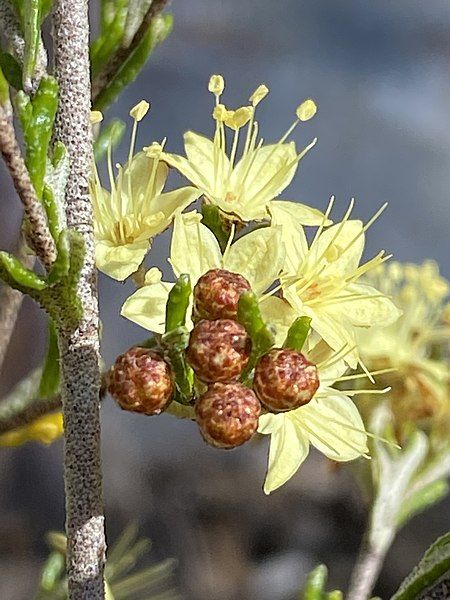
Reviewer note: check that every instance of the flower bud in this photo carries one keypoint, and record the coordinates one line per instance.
(284, 379)
(217, 293)
(140, 381)
(218, 350)
(227, 414)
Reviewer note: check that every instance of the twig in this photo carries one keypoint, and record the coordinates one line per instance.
(79, 347)
(122, 53)
(25, 410)
(10, 303)
(38, 232)
(11, 30)
(366, 570)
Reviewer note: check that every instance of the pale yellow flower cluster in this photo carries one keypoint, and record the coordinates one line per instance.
(292, 273)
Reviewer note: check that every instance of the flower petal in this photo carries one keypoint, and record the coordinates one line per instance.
(301, 213)
(119, 262)
(279, 313)
(293, 235)
(169, 202)
(137, 173)
(333, 425)
(194, 249)
(288, 449)
(258, 256)
(147, 306)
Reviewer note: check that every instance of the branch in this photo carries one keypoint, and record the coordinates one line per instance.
(79, 347)
(10, 303)
(122, 54)
(11, 30)
(38, 232)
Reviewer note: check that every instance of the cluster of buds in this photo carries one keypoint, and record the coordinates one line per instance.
(222, 354)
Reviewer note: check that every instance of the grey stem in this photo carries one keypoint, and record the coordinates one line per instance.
(79, 347)
(366, 570)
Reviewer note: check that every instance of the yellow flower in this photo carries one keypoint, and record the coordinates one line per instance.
(258, 256)
(321, 280)
(330, 422)
(45, 430)
(135, 210)
(420, 381)
(246, 186)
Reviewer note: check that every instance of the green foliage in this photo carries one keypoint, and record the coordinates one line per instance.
(314, 588)
(4, 88)
(12, 71)
(122, 580)
(422, 499)
(262, 335)
(159, 29)
(297, 334)
(31, 13)
(174, 344)
(214, 221)
(37, 117)
(110, 136)
(50, 380)
(114, 16)
(22, 277)
(434, 564)
(178, 303)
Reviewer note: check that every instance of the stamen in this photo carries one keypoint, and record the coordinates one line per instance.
(313, 434)
(342, 440)
(229, 242)
(359, 375)
(373, 392)
(369, 223)
(336, 357)
(368, 433)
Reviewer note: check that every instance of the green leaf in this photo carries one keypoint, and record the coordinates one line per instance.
(4, 89)
(11, 70)
(434, 564)
(60, 268)
(31, 22)
(178, 303)
(159, 29)
(50, 380)
(262, 336)
(315, 584)
(110, 135)
(214, 222)
(52, 572)
(23, 277)
(111, 36)
(297, 334)
(422, 499)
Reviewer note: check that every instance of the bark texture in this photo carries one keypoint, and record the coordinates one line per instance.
(79, 347)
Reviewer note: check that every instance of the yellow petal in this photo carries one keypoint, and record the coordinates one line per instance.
(194, 247)
(334, 426)
(170, 202)
(119, 262)
(139, 171)
(147, 306)
(258, 256)
(340, 248)
(301, 213)
(293, 234)
(289, 447)
(279, 313)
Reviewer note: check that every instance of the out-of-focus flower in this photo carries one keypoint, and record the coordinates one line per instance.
(258, 256)
(243, 187)
(45, 430)
(136, 209)
(415, 345)
(322, 280)
(330, 422)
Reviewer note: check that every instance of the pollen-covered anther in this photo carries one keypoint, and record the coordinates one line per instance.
(217, 293)
(306, 110)
(218, 350)
(239, 117)
(140, 381)
(139, 111)
(227, 414)
(216, 84)
(284, 379)
(259, 94)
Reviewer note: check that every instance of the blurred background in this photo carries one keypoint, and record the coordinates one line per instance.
(380, 73)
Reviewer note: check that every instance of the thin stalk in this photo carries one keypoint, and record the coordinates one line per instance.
(79, 347)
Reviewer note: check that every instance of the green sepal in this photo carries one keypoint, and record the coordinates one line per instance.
(50, 379)
(315, 584)
(174, 344)
(23, 277)
(261, 334)
(434, 564)
(159, 29)
(214, 222)
(11, 70)
(110, 135)
(60, 268)
(178, 303)
(297, 334)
